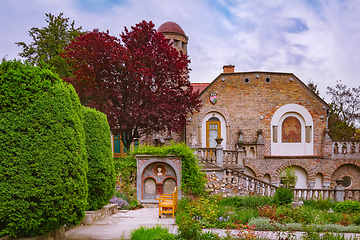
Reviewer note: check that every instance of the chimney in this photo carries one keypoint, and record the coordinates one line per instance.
(228, 68)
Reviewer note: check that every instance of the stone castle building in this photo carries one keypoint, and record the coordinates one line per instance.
(274, 120)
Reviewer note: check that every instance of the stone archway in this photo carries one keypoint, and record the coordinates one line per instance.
(348, 172)
(157, 175)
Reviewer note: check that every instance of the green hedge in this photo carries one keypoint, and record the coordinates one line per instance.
(101, 174)
(42, 152)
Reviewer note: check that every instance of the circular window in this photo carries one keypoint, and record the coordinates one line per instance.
(346, 182)
(267, 79)
(247, 80)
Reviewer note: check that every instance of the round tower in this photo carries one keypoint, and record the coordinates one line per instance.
(176, 34)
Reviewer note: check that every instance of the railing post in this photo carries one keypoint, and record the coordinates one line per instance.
(339, 192)
(219, 152)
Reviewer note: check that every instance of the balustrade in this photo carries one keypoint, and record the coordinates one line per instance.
(345, 149)
(207, 155)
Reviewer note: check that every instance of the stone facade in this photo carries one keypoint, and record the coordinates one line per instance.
(254, 105)
(273, 118)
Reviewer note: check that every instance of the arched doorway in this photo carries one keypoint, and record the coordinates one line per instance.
(213, 131)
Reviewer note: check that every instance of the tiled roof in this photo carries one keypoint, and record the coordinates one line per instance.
(199, 86)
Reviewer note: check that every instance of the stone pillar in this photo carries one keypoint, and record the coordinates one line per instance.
(219, 152)
(260, 145)
(339, 191)
(327, 145)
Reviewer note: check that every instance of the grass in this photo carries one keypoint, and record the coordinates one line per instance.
(151, 233)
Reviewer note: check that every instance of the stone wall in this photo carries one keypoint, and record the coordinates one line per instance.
(249, 106)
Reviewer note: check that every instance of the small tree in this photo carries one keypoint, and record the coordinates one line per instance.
(101, 174)
(345, 104)
(42, 152)
(139, 81)
(288, 177)
(49, 42)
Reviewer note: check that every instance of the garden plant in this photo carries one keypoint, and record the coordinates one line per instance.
(43, 160)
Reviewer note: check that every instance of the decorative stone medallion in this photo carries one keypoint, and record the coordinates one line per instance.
(213, 98)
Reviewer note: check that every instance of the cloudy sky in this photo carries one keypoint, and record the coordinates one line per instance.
(317, 40)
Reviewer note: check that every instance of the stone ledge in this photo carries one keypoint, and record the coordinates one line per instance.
(93, 216)
(54, 235)
(296, 157)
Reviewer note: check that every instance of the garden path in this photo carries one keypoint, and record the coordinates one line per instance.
(120, 225)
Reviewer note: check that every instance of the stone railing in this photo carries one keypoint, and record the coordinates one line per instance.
(207, 154)
(345, 149)
(232, 157)
(333, 194)
(233, 181)
(221, 157)
(250, 184)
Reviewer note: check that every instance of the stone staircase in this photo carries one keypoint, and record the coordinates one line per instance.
(225, 174)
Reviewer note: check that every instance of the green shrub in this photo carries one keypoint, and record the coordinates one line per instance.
(125, 167)
(246, 201)
(209, 236)
(144, 233)
(42, 152)
(283, 196)
(320, 204)
(244, 215)
(101, 174)
(164, 236)
(347, 206)
(188, 227)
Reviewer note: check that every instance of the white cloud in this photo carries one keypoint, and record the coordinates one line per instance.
(314, 39)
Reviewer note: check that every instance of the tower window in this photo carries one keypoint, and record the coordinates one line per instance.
(246, 80)
(267, 79)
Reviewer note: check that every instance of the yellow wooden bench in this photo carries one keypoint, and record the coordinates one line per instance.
(168, 203)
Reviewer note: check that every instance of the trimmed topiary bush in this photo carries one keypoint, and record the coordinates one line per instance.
(283, 196)
(101, 174)
(42, 152)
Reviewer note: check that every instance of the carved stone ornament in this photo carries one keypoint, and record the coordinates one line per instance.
(213, 98)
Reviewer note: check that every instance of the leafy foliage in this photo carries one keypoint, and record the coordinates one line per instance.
(283, 196)
(313, 87)
(101, 174)
(139, 81)
(348, 206)
(144, 233)
(345, 112)
(251, 201)
(42, 152)
(288, 177)
(49, 42)
(125, 167)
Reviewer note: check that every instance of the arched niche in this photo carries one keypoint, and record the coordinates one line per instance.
(292, 131)
(163, 172)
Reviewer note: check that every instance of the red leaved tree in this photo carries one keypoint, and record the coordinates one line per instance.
(139, 81)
